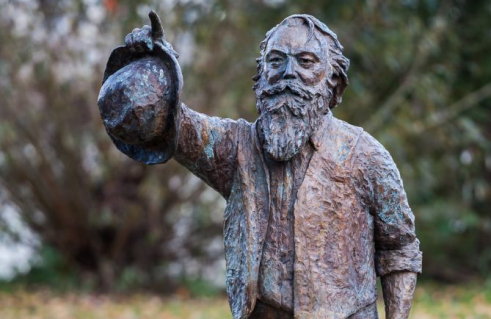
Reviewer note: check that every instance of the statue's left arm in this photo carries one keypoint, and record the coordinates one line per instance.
(398, 259)
(398, 289)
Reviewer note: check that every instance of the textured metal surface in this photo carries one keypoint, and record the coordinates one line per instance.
(136, 99)
(316, 208)
(140, 98)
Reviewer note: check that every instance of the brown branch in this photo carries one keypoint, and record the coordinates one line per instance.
(466, 103)
(423, 52)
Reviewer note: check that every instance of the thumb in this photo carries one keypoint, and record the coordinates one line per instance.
(157, 30)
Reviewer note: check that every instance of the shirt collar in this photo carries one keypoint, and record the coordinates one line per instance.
(318, 136)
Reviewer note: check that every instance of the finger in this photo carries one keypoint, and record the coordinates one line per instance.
(139, 41)
(157, 30)
(146, 37)
(128, 40)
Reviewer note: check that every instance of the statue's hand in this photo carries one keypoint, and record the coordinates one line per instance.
(144, 39)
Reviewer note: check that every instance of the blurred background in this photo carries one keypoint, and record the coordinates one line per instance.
(85, 232)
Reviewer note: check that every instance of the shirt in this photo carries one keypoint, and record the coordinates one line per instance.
(276, 270)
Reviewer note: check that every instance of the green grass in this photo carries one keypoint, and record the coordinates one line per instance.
(431, 302)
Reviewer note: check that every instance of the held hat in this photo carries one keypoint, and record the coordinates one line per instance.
(140, 102)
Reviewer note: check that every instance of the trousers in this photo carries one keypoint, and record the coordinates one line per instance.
(265, 311)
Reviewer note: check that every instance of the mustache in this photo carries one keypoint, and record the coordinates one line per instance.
(297, 106)
(295, 88)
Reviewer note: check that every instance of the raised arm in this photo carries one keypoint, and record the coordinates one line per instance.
(207, 146)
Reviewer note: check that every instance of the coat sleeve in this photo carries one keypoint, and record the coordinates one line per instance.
(396, 245)
(207, 146)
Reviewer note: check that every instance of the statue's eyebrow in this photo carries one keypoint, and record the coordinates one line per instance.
(308, 53)
(276, 51)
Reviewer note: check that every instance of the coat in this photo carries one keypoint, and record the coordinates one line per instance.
(352, 220)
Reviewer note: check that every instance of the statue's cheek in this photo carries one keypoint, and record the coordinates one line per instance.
(314, 75)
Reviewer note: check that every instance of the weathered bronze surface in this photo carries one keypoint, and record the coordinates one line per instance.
(316, 208)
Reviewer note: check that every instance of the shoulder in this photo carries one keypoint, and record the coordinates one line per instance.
(369, 147)
(377, 161)
(337, 139)
(341, 129)
(369, 155)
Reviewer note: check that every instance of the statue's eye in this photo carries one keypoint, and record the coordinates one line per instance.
(306, 62)
(275, 61)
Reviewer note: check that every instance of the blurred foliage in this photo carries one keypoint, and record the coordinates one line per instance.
(51, 271)
(420, 83)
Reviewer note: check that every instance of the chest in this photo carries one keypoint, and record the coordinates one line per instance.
(330, 199)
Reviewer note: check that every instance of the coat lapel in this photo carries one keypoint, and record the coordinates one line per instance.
(245, 224)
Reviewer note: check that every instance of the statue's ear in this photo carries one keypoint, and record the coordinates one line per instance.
(338, 84)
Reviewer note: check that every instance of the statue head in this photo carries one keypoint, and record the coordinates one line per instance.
(302, 74)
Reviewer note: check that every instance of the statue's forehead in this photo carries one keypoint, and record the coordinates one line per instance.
(294, 39)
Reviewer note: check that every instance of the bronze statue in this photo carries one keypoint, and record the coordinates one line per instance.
(316, 209)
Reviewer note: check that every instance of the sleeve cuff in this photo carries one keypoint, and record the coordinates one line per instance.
(409, 258)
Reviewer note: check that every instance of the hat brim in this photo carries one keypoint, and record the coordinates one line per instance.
(163, 148)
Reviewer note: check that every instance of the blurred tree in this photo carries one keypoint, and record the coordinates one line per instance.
(420, 83)
(110, 217)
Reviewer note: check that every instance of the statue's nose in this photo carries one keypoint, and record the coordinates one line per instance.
(289, 70)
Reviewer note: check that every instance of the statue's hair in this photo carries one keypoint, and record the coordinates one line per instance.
(338, 62)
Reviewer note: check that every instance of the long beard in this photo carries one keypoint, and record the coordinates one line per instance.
(289, 115)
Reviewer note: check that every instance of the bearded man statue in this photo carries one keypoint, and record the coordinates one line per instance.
(316, 208)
